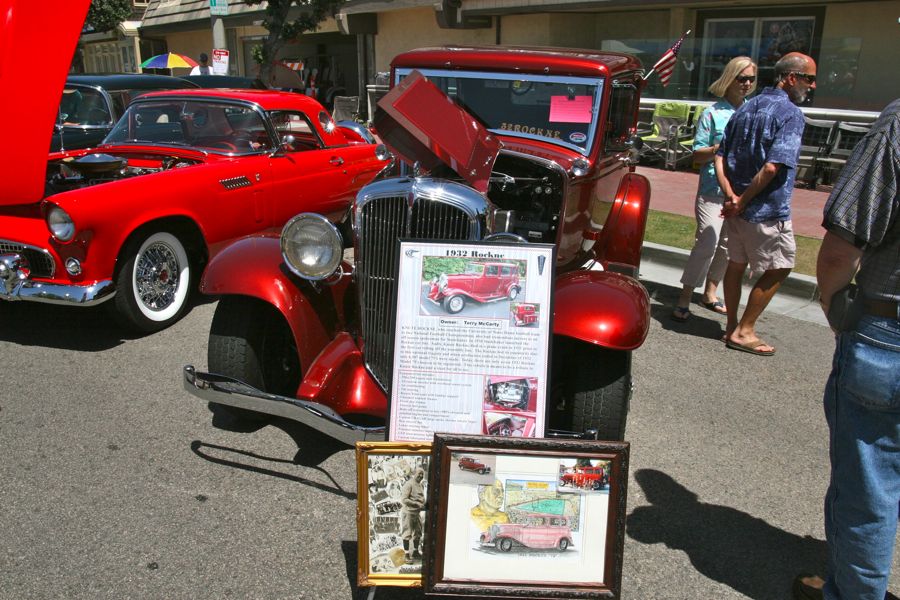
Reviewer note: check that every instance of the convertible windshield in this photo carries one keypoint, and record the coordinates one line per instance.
(562, 110)
(209, 126)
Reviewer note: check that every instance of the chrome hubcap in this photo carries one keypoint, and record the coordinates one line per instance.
(156, 277)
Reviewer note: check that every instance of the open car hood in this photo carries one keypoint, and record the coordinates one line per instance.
(420, 123)
(36, 50)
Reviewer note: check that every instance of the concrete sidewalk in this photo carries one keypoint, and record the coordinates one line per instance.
(674, 192)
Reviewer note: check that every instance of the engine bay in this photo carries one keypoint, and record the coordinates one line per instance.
(72, 173)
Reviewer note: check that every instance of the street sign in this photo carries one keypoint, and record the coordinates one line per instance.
(218, 8)
(220, 61)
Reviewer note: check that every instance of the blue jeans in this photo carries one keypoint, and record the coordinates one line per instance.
(862, 407)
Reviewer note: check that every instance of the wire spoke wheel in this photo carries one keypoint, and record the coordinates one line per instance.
(157, 276)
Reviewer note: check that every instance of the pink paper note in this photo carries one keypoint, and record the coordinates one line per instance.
(576, 110)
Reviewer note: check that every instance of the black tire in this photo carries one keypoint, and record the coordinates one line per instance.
(250, 341)
(481, 471)
(153, 284)
(591, 390)
(504, 544)
(454, 304)
(562, 545)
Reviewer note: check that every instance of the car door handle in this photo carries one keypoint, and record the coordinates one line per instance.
(336, 161)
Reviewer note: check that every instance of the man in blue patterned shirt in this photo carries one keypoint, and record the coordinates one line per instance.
(756, 164)
(862, 396)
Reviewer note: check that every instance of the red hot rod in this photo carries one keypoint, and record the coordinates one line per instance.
(510, 144)
(132, 222)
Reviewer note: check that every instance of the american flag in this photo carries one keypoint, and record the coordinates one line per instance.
(665, 66)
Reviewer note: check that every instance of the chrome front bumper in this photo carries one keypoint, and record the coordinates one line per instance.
(219, 389)
(15, 285)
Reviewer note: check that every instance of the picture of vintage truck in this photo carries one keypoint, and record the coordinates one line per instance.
(480, 282)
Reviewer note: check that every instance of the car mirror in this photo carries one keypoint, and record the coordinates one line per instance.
(287, 145)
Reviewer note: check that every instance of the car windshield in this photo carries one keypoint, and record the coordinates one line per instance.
(83, 107)
(222, 128)
(560, 110)
(474, 269)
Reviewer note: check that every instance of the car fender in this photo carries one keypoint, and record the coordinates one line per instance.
(620, 241)
(601, 307)
(253, 267)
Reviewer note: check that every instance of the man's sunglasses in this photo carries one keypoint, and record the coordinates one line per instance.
(809, 78)
(745, 78)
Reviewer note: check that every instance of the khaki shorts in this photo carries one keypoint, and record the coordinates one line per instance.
(766, 246)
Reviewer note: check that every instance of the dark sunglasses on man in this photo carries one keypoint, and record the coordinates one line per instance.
(807, 76)
(745, 78)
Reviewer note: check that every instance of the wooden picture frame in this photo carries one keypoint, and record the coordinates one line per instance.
(526, 518)
(384, 471)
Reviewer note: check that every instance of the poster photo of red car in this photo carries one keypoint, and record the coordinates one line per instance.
(524, 314)
(457, 284)
(508, 424)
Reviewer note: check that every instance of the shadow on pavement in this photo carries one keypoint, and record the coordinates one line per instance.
(722, 543)
(702, 323)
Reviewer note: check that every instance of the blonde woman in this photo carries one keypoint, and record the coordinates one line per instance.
(709, 256)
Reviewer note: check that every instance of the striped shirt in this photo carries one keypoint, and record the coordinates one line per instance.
(864, 208)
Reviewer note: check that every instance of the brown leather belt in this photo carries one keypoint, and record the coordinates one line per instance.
(881, 308)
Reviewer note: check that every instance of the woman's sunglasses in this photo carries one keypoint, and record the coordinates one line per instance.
(745, 78)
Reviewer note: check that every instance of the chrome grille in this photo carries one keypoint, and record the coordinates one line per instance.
(39, 260)
(412, 209)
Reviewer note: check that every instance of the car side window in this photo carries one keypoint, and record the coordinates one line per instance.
(623, 107)
(492, 270)
(297, 125)
(506, 271)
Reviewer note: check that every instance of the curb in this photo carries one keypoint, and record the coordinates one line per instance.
(797, 285)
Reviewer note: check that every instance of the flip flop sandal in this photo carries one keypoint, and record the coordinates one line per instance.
(717, 307)
(751, 348)
(681, 314)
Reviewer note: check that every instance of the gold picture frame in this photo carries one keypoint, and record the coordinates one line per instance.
(390, 532)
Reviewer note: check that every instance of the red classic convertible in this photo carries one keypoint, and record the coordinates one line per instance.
(182, 174)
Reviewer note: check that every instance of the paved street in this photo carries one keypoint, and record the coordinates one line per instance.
(115, 483)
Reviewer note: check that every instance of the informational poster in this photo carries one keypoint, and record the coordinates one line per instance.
(220, 58)
(472, 339)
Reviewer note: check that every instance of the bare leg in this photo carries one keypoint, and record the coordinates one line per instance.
(709, 292)
(731, 285)
(759, 299)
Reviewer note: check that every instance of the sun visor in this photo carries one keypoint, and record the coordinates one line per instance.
(420, 123)
(36, 49)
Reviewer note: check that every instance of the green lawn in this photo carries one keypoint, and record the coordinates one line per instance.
(678, 231)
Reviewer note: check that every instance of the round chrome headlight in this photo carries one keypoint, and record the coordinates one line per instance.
(311, 246)
(60, 224)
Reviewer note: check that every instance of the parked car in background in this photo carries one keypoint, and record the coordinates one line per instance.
(133, 221)
(225, 81)
(499, 144)
(91, 105)
(480, 282)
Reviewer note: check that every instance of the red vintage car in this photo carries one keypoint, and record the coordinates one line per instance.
(511, 144)
(523, 314)
(183, 173)
(481, 281)
(467, 463)
(593, 478)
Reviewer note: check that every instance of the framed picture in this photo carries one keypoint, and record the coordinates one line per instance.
(392, 488)
(526, 518)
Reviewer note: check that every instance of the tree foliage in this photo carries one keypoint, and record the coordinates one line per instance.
(282, 29)
(104, 15)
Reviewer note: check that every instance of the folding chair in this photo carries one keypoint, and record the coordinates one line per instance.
(346, 108)
(846, 136)
(818, 137)
(669, 123)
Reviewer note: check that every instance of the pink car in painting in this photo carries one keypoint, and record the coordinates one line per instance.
(553, 534)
